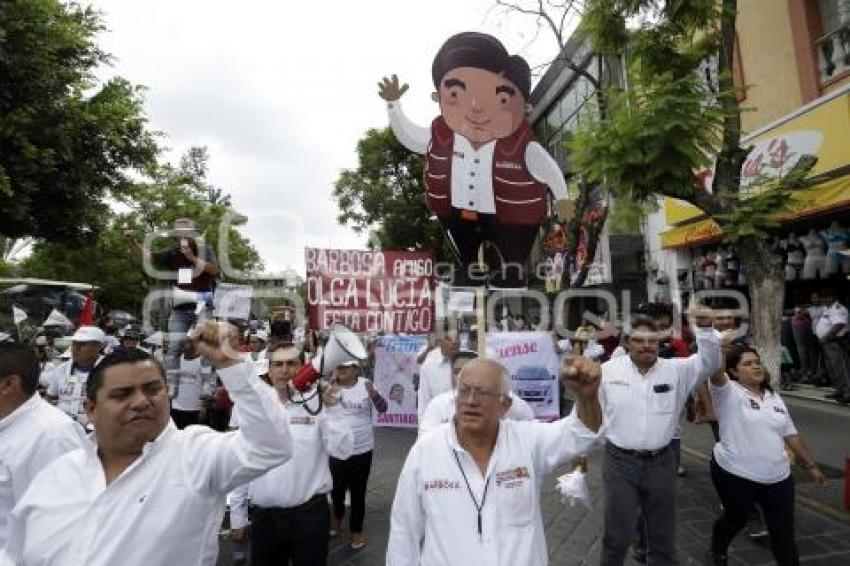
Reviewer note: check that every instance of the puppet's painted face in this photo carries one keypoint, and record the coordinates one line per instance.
(480, 105)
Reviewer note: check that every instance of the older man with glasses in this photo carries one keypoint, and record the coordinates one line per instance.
(441, 409)
(469, 492)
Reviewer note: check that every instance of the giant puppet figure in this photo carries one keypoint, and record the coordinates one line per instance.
(486, 177)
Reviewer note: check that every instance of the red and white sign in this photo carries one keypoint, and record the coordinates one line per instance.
(383, 291)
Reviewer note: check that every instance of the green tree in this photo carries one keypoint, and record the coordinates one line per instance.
(673, 122)
(66, 142)
(385, 196)
(151, 207)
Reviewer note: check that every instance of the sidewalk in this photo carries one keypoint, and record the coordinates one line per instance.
(811, 393)
(574, 534)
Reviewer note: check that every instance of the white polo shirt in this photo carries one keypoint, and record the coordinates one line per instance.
(435, 377)
(166, 507)
(314, 438)
(434, 519)
(836, 313)
(441, 410)
(752, 433)
(641, 412)
(35, 434)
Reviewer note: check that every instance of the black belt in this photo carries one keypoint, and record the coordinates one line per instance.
(641, 454)
(319, 498)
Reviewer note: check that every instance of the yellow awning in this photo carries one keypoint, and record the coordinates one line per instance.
(819, 128)
(813, 201)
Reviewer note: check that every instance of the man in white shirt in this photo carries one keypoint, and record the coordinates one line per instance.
(486, 177)
(66, 384)
(831, 330)
(142, 492)
(258, 341)
(469, 492)
(33, 433)
(290, 516)
(441, 409)
(642, 397)
(186, 405)
(435, 373)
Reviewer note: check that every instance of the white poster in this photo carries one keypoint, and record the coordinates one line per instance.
(233, 301)
(533, 363)
(395, 368)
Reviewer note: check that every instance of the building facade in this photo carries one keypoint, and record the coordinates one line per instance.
(562, 101)
(794, 57)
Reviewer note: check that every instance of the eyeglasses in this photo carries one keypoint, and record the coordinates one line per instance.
(466, 392)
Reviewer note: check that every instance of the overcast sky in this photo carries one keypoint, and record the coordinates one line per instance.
(280, 92)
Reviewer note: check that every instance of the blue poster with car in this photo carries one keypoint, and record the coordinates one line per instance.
(533, 363)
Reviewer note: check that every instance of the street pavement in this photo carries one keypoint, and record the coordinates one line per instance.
(574, 534)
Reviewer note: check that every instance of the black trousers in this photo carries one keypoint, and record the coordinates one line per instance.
(293, 535)
(514, 243)
(351, 475)
(738, 496)
(182, 419)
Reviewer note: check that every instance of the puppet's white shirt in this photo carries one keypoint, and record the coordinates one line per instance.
(472, 170)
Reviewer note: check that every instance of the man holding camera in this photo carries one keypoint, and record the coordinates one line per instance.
(192, 267)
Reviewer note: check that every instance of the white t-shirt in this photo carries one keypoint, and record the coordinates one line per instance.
(835, 314)
(188, 386)
(752, 433)
(68, 384)
(356, 409)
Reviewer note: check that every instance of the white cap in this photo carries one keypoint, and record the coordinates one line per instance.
(89, 334)
(262, 335)
(349, 363)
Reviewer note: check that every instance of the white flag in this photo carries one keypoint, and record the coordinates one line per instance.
(56, 318)
(19, 315)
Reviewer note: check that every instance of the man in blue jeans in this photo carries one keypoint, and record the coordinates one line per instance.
(192, 267)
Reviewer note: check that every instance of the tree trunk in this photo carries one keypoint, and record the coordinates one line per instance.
(766, 284)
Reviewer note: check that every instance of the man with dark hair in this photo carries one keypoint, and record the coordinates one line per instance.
(192, 266)
(33, 433)
(290, 516)
(642, 396)
(831, 329)
(486, 178)
(142, 492)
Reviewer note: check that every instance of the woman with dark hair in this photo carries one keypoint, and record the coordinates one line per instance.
(749, 464)
(357, 399)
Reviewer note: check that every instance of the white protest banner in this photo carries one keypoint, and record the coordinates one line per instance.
(370, 291)
(533, 363)
(233, 301)
(56, 318)
(462, 301)
(395, 368)
(18, 314)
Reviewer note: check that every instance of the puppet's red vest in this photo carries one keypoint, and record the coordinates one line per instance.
(520, 199)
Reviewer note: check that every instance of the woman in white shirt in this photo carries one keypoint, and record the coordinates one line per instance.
(749, 464)
(357, 398)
